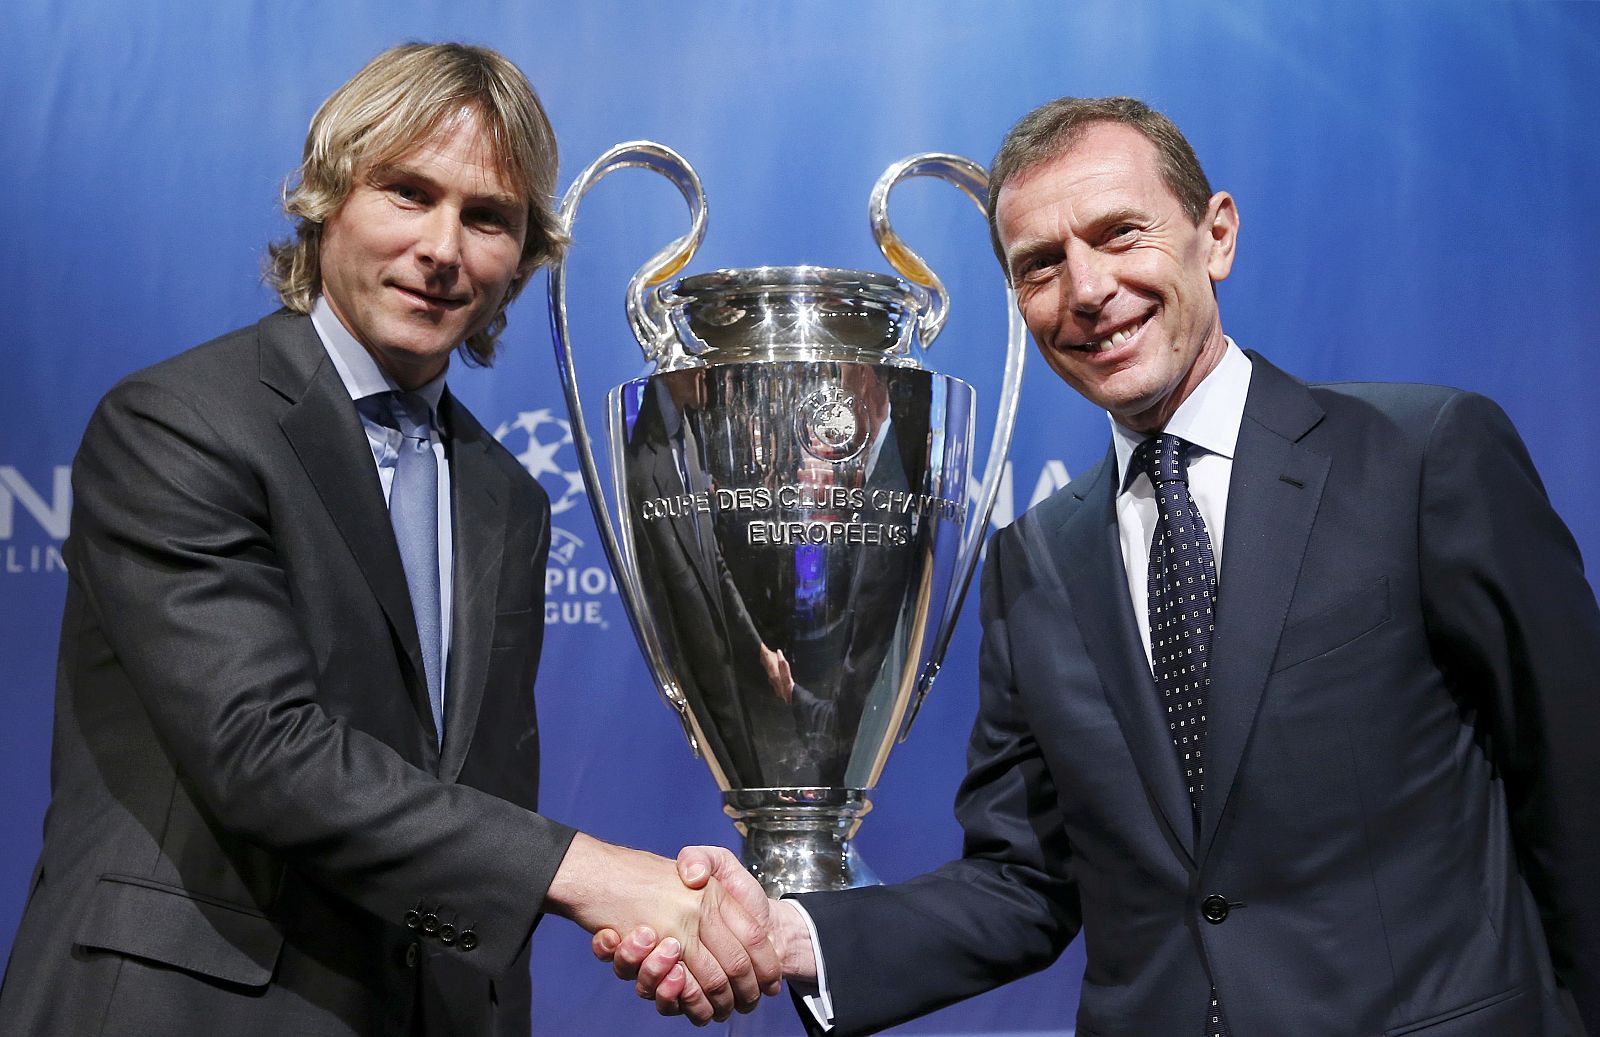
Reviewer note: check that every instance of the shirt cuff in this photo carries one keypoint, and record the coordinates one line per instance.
(815, 995)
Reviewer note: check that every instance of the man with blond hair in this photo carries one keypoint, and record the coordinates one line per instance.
(296, 755)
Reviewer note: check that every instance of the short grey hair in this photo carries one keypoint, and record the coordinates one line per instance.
(1054, 127)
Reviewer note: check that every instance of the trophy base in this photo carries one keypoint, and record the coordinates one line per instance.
(797, 840)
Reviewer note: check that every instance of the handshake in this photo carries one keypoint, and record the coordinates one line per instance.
(702, 938)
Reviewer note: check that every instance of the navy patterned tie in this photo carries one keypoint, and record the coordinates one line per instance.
(1183, 592)
(414, 513)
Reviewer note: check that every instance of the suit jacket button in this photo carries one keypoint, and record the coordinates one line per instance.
(467, 940)
(413, 919)
(412, 954)
(1214, 909)
(430, 923)
(447, 933)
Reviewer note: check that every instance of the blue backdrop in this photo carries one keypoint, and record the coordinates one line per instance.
(1418, 185)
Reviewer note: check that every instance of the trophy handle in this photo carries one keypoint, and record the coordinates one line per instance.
(647, 316)
(973, 181)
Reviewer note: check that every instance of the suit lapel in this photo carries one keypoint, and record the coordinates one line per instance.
(326, 435)
(1089, 551)
(479, 522)
(1272, 502)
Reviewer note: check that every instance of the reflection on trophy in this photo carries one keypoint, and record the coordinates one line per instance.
(796, 527)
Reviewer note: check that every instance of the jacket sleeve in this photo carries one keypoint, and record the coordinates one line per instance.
(172, 542)
(1007, 908)
(1516, 627)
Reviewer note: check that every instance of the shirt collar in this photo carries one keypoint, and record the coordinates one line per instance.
(1209, 418)
(361, 375)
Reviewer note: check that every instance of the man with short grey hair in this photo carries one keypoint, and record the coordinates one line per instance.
(1288, 705)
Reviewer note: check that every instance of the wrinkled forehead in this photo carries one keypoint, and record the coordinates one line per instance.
(1102, 148)
(1104, 165)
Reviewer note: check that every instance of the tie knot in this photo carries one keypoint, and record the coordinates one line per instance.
(406, 411)
(1163, 458)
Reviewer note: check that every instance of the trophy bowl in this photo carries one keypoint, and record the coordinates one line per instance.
(796, 523)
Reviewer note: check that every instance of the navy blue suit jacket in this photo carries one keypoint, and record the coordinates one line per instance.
(1400, 812)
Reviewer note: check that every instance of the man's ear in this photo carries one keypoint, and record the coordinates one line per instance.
(525, 271)
(1221, 226)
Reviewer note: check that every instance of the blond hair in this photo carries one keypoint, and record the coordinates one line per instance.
(399, 100)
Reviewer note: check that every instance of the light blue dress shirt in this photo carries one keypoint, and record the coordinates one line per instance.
(362, 377)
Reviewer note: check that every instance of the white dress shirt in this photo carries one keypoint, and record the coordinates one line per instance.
(362, 377)
(1209, 419)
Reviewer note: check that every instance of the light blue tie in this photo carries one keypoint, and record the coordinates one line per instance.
(414, 513)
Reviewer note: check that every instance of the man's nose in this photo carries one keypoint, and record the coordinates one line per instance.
(439, 244)
(1087, 281)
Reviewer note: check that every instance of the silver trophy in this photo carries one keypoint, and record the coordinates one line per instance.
(796, 527)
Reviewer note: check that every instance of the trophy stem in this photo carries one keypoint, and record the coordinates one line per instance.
(797, 840)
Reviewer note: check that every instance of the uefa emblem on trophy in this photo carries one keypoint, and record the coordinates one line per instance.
(795, 526)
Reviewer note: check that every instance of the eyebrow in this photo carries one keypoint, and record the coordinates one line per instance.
(1124, 214)
(499, 199)
(1026, 250)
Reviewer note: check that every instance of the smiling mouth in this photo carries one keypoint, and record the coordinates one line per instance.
(440, 301)
(1113, 340)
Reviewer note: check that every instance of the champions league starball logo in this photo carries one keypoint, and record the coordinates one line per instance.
(574, 593)
(541, 436)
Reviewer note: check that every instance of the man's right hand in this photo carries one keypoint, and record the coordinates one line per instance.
(655, 966)
(727, 951)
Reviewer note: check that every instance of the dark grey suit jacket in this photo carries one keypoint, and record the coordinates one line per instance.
(1399, 819)
(252, 830)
